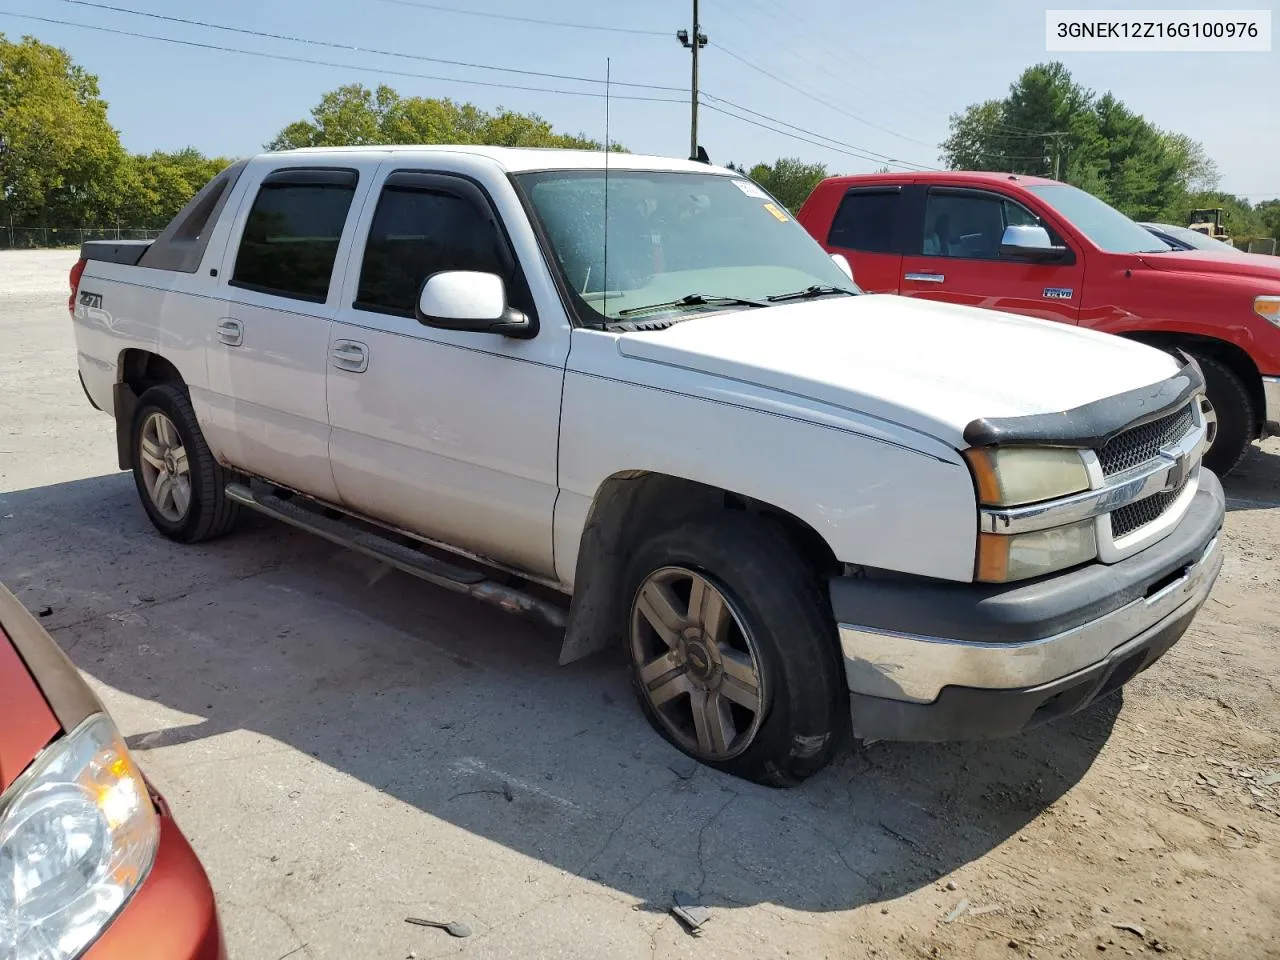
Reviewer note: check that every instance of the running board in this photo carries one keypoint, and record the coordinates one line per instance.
(405, 558)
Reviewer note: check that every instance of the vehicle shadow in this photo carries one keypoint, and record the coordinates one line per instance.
(463, 713)
(1255, 483)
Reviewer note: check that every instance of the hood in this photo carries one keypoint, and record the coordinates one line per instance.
(931, 367)
(1255, 265)
(40, 688)
(27, 724)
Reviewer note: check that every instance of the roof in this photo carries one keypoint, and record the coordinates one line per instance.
(975, 177)
(523, 159)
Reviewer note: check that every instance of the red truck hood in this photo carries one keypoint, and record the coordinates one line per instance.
(1235, 265)
(26, 722)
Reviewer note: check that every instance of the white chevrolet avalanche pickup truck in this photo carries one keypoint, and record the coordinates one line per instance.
(632, 397)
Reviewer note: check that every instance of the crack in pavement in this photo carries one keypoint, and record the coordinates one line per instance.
(618, 826)
(702, 834)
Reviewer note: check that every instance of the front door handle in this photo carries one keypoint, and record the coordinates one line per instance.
(231, 331)
(926, 277)
(350, 355)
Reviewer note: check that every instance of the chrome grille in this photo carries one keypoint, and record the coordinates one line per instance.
(1135, 447)
(1129, 518)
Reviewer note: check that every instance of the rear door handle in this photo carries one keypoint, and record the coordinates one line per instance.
(231, 331)
(926, 277)
(350, 355)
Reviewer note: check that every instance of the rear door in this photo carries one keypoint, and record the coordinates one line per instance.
(870, 228)
(269, 347)
(956, 258)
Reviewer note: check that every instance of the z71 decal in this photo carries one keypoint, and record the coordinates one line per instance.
(1058, 293)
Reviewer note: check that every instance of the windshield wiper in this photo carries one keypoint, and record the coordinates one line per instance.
(693, 300)
(808, 293)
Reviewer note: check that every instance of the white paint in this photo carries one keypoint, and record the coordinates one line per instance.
(473, 766)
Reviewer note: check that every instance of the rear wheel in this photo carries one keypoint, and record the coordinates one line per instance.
(1231, 417)
(733, 650)
(181, 485)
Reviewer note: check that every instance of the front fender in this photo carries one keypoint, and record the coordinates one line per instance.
(874, 501)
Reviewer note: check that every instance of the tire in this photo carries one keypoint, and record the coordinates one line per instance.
(776, 618)
(203, 512)
(1236, 418)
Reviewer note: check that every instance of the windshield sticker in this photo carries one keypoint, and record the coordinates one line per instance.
(750, 189)
(773, 208)
(1058, 293)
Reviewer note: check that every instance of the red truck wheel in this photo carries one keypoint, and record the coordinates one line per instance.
(1233, 408)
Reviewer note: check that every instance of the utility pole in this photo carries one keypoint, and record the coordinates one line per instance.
(699, 40)
(1057, 152)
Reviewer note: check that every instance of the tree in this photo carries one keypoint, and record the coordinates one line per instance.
(354, 114)
(789, 179)
(60, 160)
(1269, 211)
(1051, 125)
(154, 187)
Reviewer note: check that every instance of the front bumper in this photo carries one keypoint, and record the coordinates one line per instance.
(1271, 393)
(937, 661)
(172, 915)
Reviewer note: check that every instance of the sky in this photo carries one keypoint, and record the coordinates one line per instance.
(880, 78)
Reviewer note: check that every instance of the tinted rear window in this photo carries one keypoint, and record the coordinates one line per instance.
(291, 239)
(865, 221)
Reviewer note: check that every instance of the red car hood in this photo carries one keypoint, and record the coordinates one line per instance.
(1198, 261)
(26, 723)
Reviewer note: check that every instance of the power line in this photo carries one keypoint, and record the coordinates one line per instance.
(355, 49)
(870, 154)
(793, 136)
(807, 56)
(329, 63)
(827, 103)
(540, 22)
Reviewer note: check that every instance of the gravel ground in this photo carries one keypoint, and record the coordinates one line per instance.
(347, 747)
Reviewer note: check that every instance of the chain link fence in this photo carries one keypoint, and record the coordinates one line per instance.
(35, 238)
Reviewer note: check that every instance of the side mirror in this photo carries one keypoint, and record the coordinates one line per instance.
(842, 262)
(1030, 243)
(470, 300)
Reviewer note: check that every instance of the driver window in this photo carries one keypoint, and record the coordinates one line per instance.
(971, 225)
(416, 233)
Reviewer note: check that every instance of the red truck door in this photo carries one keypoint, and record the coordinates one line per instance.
(957, 258)
(867, 229)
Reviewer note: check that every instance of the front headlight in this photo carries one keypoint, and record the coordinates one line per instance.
(1003, 558)
(78, 833)
(1012, 476)
(1268, 308)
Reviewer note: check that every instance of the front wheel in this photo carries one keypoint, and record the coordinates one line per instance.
(1231, 417)
(733, 650)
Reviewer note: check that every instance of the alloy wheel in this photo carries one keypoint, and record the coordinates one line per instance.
(697, 664)
(166, 473)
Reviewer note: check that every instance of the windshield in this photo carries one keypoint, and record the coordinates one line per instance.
(1195, 239)
(672, 235)
(1105, 226)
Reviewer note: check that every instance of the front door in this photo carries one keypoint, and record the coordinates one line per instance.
(449, 434)
(958, 260)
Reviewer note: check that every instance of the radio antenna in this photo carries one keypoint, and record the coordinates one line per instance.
(608, 71)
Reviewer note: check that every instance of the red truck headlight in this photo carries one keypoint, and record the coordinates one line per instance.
(1268, 308)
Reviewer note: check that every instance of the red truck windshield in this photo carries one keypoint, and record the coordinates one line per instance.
(1105, 226)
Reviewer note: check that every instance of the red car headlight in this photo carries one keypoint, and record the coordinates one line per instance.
(78, 834)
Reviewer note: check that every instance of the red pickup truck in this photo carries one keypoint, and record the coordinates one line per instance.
(1046, 249)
